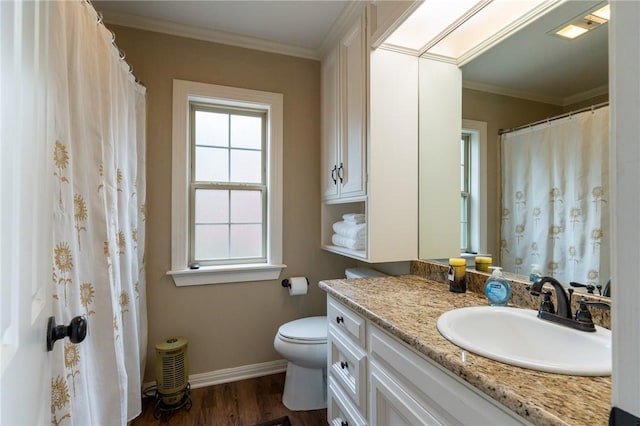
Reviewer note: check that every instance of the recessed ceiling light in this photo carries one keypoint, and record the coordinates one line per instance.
(603, 12)
(571, 31)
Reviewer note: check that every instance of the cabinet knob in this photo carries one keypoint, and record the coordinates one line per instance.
(344, 365)
(339, 320)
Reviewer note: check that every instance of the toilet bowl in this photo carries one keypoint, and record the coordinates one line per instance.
(303, 343)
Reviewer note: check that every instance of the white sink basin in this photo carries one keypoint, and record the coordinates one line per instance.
(518, 337)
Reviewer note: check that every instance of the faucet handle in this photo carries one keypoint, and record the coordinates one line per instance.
(582, 313)
(547, 305)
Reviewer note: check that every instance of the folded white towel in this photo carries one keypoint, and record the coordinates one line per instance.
(351, 231)
(354, 217)
(349, 243)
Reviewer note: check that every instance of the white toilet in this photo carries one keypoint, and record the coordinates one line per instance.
(303, 342)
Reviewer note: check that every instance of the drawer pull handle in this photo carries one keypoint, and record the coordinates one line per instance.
(339, 320)
(344, 364)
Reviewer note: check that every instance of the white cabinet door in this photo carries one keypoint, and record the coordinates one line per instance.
(391, 405)
(353, 67)
(330, 86)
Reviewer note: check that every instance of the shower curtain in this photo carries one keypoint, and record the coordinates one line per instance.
(555, 194)
(98, 123)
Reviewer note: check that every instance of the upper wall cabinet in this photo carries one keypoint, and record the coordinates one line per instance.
(370, 146)
(343, 117)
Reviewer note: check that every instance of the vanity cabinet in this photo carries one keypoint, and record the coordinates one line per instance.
(370, 146)
(346, 365)
(394, 384)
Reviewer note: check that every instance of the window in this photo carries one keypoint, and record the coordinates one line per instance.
(465, 185)
(227, 184)
(473, 189)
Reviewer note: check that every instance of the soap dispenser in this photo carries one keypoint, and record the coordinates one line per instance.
(536, 273)
(497, 289)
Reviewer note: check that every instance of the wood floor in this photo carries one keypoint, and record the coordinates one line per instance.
(242, 403)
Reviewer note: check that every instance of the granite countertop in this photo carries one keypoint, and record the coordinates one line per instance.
(408, 308)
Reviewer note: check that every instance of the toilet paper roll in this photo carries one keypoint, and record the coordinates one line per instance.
(298, 286)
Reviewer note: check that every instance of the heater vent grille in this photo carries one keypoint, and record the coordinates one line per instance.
(173, 369)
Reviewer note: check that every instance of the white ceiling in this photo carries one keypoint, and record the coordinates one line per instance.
(529, 64)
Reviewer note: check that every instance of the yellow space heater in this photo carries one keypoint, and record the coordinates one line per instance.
(172, 370)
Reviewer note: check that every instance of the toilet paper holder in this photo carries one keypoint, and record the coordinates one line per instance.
(287, 284)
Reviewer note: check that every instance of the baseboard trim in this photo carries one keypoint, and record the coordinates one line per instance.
(234, 374)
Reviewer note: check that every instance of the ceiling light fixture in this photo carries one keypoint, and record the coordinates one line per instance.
(583, 24)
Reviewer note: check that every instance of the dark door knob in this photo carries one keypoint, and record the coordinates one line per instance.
(76, 331)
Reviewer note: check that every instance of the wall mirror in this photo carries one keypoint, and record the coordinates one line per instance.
(530, 76)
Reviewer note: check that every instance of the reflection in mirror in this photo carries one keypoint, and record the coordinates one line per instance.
(530, 76)
(555, 186)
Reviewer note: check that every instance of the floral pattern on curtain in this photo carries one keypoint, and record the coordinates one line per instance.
(555, 180)
(99, 221)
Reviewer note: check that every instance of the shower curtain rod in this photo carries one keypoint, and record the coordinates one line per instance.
(557, 117)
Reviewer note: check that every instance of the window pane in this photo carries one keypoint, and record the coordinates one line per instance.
(463, 209)
(246, 132)
(212, 241)
(246, 240)
(212, 128)
(212, 206)
(246, 166)
(212, 164)
(246, 206)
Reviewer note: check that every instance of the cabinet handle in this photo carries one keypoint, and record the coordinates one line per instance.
(340, 172)
(343, 423)
(344, 365)
(333, 174)
(339, 320)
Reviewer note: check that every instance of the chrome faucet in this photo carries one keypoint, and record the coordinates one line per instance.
(582, 320)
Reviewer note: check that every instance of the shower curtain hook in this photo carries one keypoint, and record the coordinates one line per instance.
(100, 17)
(122, 54)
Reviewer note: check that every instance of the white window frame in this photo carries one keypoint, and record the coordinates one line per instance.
(478, 189)
(185, 92)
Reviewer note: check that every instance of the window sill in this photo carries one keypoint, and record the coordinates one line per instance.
(226, 274)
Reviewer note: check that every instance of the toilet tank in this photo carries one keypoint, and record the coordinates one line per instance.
(363, 273)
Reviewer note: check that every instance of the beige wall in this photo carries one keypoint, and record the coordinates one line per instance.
(504, 112)
(230, 325)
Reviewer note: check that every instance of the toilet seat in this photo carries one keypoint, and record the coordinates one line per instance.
(311, 330)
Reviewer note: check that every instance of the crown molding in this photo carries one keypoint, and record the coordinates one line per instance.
(351, 12)
(528, 96)
(205, 34)
(521, 94)
(598, 91)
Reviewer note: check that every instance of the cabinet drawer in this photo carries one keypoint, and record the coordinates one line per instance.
(340, 410)
(348, 322)
(347, 365)
(446, 397)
